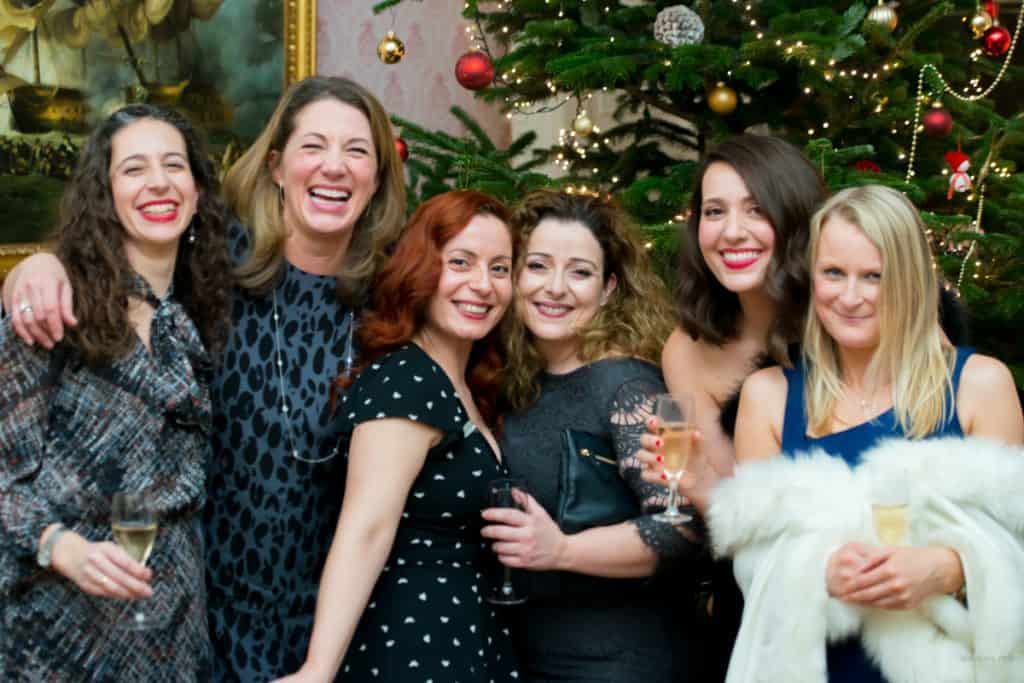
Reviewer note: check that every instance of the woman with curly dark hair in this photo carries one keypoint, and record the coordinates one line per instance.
(420, 417)
(605, 588)
(122, 404)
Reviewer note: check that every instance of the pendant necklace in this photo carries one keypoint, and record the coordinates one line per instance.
(348, 361)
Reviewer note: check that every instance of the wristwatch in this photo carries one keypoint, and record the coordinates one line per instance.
(44, 556)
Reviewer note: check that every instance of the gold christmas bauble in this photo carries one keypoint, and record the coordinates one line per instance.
(390, 49)
(583, 125)
(722, 99)
(883, 14)
(981, 22)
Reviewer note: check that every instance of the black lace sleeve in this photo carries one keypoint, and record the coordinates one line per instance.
(631, 406)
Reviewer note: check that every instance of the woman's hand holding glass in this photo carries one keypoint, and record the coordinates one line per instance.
(102, 568)
(527, 538)
(892, 577)
(696, 482)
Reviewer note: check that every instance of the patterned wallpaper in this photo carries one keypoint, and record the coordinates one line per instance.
(422, 87)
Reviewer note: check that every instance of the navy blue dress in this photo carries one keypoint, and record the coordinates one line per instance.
(847, 660)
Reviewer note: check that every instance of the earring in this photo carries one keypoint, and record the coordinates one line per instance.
(192, 233)
(280, 193)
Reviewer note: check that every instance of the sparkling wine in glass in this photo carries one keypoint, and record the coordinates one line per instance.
(677, 432)
(889, 511)
(503, 588)
(134, 526)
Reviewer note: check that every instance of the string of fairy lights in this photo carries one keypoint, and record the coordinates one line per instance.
(990, 166)
(576, 146)
(830, 70)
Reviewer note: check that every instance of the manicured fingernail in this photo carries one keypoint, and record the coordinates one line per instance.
(657, 443)
(660, 458)
(664, 476)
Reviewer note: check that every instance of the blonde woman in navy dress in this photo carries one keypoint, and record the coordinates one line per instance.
(875, 365)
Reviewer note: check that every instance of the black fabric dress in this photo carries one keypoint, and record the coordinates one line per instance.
(586, 629)
(270, 515)
(426, 619)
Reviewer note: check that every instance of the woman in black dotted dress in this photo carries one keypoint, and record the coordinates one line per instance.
(407, 548)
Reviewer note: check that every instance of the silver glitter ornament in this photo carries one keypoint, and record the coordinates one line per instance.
(678, 25)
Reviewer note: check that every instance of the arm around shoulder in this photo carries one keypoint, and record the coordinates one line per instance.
(987, 401)
(760, 415)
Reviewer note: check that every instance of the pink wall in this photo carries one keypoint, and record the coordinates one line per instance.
(422, 87)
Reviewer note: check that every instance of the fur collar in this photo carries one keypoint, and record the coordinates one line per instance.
(783, 517)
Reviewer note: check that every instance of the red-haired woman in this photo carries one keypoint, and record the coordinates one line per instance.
(407, 548)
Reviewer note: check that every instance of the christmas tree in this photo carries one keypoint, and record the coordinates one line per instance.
(902, 95)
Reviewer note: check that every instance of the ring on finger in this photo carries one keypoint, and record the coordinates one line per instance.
(25, 308)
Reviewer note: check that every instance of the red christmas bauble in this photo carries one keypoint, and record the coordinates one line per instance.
(402, 147)
(937, 122)
(992, 7)
(867, 165)
(996, 41)
(474, 70)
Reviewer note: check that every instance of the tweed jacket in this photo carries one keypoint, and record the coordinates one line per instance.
(67, 444)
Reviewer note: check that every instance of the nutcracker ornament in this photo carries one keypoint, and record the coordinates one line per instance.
(959, 164)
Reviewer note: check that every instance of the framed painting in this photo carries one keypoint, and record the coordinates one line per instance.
(67, 63)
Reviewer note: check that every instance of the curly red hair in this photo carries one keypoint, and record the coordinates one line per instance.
(408, 280)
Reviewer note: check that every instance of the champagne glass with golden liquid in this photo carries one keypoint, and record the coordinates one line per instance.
(134, 525)
(889, 512)
(677, 431)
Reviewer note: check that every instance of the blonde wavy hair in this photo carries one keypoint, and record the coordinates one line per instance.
(912, 354)
(635, 320)
(251, 192)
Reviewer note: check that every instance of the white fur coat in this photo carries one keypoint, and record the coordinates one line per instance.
(782, 518)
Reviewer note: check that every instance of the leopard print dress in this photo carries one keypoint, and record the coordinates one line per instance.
(272, 509)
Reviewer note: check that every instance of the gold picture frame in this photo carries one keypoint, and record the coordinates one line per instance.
(10, 254)
(299, 22)
(299, 40)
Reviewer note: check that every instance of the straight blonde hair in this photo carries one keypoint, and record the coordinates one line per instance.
(251, 192)
(912, 355)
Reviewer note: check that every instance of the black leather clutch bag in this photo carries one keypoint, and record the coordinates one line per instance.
(591, 491)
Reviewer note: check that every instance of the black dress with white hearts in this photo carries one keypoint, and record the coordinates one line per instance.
(426, 619)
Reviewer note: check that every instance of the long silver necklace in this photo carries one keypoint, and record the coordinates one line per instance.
(347, 362)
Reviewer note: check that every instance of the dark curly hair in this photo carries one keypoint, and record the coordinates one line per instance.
(408, 280)
(788, 189)
(90, 244)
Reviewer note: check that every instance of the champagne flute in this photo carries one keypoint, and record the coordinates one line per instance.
(889, 511)
(500, 495)
(677, 431)
(134, 525)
